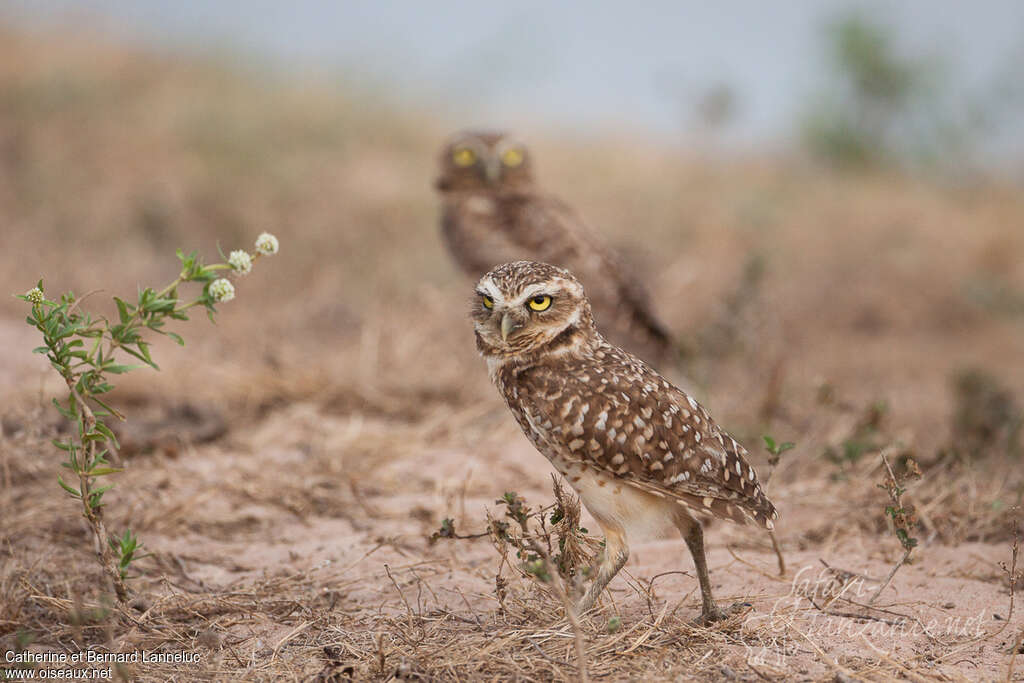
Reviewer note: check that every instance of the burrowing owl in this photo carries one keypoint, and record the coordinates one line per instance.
(494, 213)
(642, 455)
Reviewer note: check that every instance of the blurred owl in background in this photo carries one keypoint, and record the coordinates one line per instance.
(493, 212)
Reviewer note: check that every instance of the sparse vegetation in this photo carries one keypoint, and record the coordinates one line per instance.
(901, 515)
(542, 539)
(864, 438)
(85, 349)
(775, 450)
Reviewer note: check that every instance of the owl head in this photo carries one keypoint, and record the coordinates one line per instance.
(527, 307)
(473, 160)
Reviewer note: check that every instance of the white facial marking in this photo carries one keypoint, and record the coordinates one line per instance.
(488, 287)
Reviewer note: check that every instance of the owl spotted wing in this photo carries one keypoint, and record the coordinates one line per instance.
(614, 414)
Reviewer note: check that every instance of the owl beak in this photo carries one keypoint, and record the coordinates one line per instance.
(508, 326)
(493, 171)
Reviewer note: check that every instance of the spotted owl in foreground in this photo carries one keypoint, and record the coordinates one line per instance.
(495, 211)
(642, 455)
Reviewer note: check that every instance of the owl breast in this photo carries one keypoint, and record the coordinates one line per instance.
(478, 205)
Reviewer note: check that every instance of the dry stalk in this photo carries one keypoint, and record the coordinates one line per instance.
(557, 583)
(899, 513)
(1013, 578)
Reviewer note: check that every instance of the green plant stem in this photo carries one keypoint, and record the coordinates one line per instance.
(94, 515)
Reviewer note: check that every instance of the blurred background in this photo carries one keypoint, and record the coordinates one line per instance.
(743, 76)
(826, 198)
(748, 72)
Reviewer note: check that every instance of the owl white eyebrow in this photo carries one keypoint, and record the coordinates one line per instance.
(534, 290)
(487, 288)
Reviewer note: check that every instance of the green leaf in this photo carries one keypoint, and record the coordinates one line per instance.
(41, 349)
(145, 297)
(105, 430)
(177, 338)
(117, 369)
(113, 411)
(144, 350)
(73, 492)
(161, 305)
(62, 410)
(103, 471)
(96, 496)
(122, 310)
(132, 352)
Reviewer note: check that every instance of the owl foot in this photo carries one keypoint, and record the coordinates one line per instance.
(585, 604)
(714, 613)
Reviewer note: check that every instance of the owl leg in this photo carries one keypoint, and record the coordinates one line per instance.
(693, 534)
(616, 552)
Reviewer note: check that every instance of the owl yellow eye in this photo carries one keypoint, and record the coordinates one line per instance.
(488, 302)
(512, 157)
(463, 157)
(540, 303)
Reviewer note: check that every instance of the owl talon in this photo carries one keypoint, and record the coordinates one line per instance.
(584, 606)
(715, 613)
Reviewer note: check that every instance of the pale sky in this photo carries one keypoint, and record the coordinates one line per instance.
(577, 63)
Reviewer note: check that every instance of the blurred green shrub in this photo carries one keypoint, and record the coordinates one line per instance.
(877, 108)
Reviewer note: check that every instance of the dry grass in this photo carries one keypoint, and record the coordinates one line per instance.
(357, 416)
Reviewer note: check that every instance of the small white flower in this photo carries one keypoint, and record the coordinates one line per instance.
(266, 244)
(240, 261)
(222, 290)
(35, 295)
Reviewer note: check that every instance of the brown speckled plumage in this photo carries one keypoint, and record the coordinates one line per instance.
(631, 444)
(493, 214)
